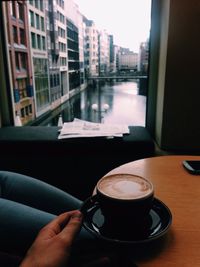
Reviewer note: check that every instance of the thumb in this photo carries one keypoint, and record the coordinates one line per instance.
(73, 226)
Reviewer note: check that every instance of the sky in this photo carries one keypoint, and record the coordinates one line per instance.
(127, 20)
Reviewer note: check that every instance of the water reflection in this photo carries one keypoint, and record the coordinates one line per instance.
(125, 104)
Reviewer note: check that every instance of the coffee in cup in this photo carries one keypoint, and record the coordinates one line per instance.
(125, 198)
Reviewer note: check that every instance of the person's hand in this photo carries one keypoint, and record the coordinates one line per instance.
(52, 246)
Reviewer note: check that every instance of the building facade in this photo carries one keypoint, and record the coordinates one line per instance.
(143, 57)
(91, 48)
(62, 46)
(81, 28)
(39, 54)
(16, 17)
(104, 52)
(128, 60)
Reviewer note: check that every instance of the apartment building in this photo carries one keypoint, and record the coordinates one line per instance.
(20, 61)
(57, 51)
(71, 10)
(81, 36)
(62, 45)
(39, 55)
(143, 57)
(128, 60)
(104, 52)
(91, 48)
(73, 55)
(112, 54)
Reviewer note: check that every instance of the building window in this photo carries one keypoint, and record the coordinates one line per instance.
(58, 79)
(33, 41)
(12, 9)
(26, 111)
(42, 24)
(31, 17)
(41, 82)
(37, 4)
(22, 113)
(43, 43)
(20, 7)
(23, 61)
(54, 77)
(38, 41)
(41, 5)
(22, 37)
(17, 61)
(51, 80)
(22, 83)
(30, 109)
(15, 38)
(37, 21)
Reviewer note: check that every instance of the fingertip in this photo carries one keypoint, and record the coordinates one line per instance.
(77, 215)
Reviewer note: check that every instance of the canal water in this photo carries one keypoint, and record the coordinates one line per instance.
(113, 102)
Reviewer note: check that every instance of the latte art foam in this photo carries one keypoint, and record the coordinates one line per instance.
(125, 187)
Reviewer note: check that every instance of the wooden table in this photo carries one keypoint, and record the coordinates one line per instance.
(180, 191)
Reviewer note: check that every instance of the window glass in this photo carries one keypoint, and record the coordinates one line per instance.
(31, 17)
(33, 40)
(17, 65)
(63, 47)
(43, 43)
(23, 61)
(37, 4)
(22, 37)
(38, 41)
(20, 11)
(15, 36)
(42, 24)
(41, 6)
(37, 21)
(22, 87)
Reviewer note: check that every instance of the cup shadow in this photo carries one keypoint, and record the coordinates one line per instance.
(134, 253)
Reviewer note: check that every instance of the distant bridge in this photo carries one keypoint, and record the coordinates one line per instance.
(120, 77)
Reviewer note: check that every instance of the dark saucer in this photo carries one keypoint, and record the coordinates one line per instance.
(156, 224)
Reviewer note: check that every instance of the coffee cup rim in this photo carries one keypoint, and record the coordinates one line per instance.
(125, 199)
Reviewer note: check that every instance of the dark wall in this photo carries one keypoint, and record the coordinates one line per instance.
(173, 97)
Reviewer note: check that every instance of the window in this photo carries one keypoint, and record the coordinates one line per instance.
(75, 54)
(23, 61)
(22, 37)
(20, 11)
(42, 24)
(26, 110)
(22, 112)
(37, 21)
(17, 61)
(12, 9)
(43, 43)
(33, 40)
(30, 109)
(37, 4)
(47, 23)
(38, 41)
(51, 80)
(31, 17)
(15, 37)
(22, 83)
(41, 6)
